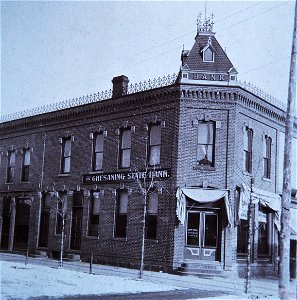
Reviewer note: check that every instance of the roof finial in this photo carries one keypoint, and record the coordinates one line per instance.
(207, 25)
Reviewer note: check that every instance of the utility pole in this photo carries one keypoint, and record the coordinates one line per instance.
(284, 268)
(250, 237)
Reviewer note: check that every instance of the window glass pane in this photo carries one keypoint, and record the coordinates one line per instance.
(27, 157)
(210, 230)
(126, 139)
(99, 160)
(152, 205)
(95, 204)
(193, 229)
(242, 237)
(12, 159)
(123, 207)
(67, 147)
(208, 55)
(155, 135)
(205, 133)
(125, 159)
(155, 155)
(99, 142)
(205, 154)
(47, 200)
(67, 165)
(77, 199)
(25, 173)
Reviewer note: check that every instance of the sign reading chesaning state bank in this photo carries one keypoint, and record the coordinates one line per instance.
(126, 176)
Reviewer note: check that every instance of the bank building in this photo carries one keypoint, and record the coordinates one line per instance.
(183, 155)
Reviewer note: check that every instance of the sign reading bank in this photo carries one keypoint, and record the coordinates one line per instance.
(126, 176)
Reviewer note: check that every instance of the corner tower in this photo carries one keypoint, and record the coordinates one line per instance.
(206, 62)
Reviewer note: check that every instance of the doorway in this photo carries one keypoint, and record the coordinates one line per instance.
(202, 235)
(22, 218)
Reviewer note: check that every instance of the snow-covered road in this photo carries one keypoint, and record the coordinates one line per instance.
(37, 281)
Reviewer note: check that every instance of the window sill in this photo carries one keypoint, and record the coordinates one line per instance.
(120, 239)
(266, 179)
(96, 172)
(25, 182)
(63, 174)
(92, 237)
(8, 182)
(152, 240)
(204, 167)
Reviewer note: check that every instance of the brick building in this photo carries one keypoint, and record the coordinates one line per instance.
(186, 153)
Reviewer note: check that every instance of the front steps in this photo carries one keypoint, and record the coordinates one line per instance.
(204, 269)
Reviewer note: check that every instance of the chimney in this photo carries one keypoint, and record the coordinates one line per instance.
(120, 86)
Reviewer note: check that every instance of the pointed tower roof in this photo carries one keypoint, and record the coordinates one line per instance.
(206, 62)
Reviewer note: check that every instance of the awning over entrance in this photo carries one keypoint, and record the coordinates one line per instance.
(201, 195)
(267, 199)
(293, 223)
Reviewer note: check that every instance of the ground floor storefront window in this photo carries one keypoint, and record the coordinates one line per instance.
(261, 234)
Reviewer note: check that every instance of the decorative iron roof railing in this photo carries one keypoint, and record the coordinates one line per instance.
(260, 93)
(132, 88)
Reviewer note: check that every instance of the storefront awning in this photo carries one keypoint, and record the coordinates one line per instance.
(293, 223)
(266, 199)
(200, 195)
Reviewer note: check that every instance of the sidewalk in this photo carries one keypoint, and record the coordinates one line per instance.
(259, 288)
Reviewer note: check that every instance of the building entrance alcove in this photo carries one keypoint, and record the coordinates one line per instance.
(202, 235)
(22, 218)
(6, 215)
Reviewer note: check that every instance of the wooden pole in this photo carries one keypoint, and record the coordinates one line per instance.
(284, 268)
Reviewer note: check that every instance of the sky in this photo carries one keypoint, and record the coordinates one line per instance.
(54, 51)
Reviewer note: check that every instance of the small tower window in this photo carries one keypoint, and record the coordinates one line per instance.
(208, 55)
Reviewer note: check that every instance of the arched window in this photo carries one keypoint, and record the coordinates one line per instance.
(208, 55)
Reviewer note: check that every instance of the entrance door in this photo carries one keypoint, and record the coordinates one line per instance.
(5, 223)
(202, 236)
(22, 218)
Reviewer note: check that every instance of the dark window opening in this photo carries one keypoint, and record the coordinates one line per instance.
(120, 228)
(267, 157)
(248, 146)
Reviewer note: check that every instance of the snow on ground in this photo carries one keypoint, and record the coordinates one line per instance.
(37, 281)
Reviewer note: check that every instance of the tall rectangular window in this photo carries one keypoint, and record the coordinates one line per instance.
(242, 238)
(26, 164)
(206, 143)
(154, 144)
(151, 216)
(94, 210)
(125, 148)
(120, 227)
(66, 155)
(267, 157)
(264, 232)
(98, 151)
(10, 166)
(248, 146)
